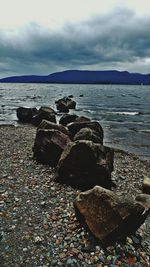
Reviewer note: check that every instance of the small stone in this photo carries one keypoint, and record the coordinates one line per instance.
(38, 240)
(62, 255)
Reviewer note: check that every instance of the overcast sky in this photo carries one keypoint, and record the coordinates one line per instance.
(44, 36)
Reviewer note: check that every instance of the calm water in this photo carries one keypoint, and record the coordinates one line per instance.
(122, 110)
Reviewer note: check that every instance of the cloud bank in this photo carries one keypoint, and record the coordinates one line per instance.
(119, 40)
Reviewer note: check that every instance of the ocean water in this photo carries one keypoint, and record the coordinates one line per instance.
(122, 110)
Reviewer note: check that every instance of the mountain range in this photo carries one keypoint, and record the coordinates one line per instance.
(83, 77)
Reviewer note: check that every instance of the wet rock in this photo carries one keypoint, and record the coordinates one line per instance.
(64, 104)
(48, 146)
(67, 118)
(108, 216)
(75, 127)
(44, 113)
(146, 185)
(88, 134)
(53, 126)
(26, 114)
(84, 164)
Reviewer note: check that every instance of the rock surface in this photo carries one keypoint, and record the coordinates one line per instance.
(88, 134)
(44, 113)
(108, 216)
(84, 164)
(53, 126)
(25, 115)
(67, 118)
(48, 146)
(64, 104)
(75, 127)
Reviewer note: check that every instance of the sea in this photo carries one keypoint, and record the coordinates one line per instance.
(122, 110)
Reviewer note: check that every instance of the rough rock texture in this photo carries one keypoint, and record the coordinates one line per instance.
(146, 185)
(108, 216)
(48, 146)
(53, 126)
(25, 114)
(44, 113)
(88, 134)
(84, 164)
(67, 118)
(75, 127)
(64, 104)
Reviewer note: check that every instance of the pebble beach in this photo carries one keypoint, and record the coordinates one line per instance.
(38, 223)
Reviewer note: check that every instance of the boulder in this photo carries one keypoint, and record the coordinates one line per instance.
(146, 185)
(44, 113)
(48, 146)
(26, 114)
(53, 126)
(75, 127)
(107, 216)
(67, 118)
(64, 104)
(84, 164)
(88, 134)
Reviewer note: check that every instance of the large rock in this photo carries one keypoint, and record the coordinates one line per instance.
(88, 134)
(53, 126)
(84, 164)
(26, 114)
(48, 146)
(108, 216)
(67, 118)
(64, 104)
(75, 127)
(44, 113)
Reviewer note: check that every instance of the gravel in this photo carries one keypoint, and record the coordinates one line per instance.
(38, 224)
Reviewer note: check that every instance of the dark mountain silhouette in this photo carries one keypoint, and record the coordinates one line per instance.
(84, 77)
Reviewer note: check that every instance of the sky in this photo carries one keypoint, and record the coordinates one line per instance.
(44, 36)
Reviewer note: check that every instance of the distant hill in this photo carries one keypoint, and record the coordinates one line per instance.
(83, 77)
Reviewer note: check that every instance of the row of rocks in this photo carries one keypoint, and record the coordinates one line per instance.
(75, 147)
(35, 116)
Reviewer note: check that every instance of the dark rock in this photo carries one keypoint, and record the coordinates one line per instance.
(108, 216)
(26, 114)
(88, 134)
(64, 104)
(44, 113)
(75, 127)
(80, 95)
(53, 126)
(67, 118)
(48, 146)
(84, 164)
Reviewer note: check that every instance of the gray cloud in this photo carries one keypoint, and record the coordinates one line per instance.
(119, 40)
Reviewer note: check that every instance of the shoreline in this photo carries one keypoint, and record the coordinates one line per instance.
(39, 227)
